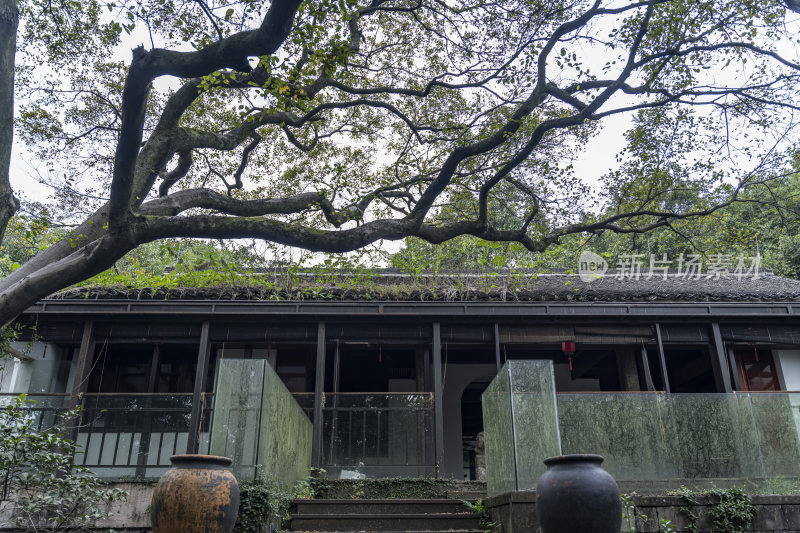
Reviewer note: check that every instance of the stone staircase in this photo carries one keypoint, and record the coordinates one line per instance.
(384, 516)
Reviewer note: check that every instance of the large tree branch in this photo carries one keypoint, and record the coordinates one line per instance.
(150, 162)
(9, 17)
(185, 162)
(182, 201)
(441, 233)
(507, 135)
(228, 227)
(537, 96)
(83, 262)
(232, 52)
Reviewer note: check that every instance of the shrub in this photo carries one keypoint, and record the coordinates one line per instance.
(38, 478)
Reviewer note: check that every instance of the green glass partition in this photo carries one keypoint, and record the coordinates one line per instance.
(501, 468)
(685, 436)
(777, 420)
(716, 437)
(237, 413)
(258, 424)
(285, 433)
(535, 418)
(635, 433)
(520, 425)
(642, 436)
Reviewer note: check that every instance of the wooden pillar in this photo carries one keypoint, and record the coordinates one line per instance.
(152, 377)
(437, 396)
(201, 372)
(497, 347)
(662, 360)
(646, 367)
(737, 385)
(426, 355)
(631, 375)
(419, 370)
(146, 428)
(337, 363)
(319, 385)
(719, 361)
(82, 371)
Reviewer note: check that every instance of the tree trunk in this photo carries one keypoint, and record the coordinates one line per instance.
(9, 18)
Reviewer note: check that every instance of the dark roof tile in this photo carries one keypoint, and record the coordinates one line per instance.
(388, 285)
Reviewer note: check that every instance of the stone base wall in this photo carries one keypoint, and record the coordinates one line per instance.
(515, 512)
(131, 515)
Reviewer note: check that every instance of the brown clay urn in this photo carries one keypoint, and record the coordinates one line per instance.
(198, 494)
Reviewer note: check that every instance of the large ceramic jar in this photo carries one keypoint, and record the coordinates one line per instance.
(197, 495)
(575, 495)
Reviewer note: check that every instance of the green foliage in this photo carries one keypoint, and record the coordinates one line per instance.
(777, 485)
(732, 510)
(630, 516)
(263, 501)
(39, 481)
(479, 507)
(390, 488)
(665, 526)
(426, 118)
(181, 256)
(766, 221)
(25, 237)
(317, 481)
(628, 512)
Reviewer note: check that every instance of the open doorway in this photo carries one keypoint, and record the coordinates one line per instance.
(472, 427)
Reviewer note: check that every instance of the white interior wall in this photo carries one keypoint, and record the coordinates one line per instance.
(42, 374)
(456, 378)
(9, 369)
(788, 363)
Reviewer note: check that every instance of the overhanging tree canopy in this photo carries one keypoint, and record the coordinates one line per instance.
(333, 124)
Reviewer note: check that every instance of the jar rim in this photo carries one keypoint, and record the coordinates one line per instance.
(200, 458)
(574, 458)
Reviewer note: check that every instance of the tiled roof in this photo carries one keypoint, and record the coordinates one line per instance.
(389, 285)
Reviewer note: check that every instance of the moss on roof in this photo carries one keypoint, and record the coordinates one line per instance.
(390, 285)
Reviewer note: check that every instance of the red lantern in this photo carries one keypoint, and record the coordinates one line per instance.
(568, 347)
(755, 350)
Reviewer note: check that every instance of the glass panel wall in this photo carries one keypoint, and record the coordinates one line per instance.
(520, 425)
(642, 436)
(258, 423)
(498, 431)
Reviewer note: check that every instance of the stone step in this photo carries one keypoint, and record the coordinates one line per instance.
(394, 506)
(469, 496)
(385, 522)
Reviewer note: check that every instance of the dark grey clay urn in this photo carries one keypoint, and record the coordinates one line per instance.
(575, 495)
